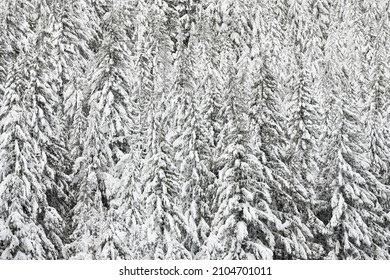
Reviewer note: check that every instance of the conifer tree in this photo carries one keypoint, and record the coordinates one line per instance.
(192, 150)
(32, 155)
(303, 102)
(210, 84)
(108, 122)
(164, 224)
(22, 193)
(110, 86)
(17, 28)
(76, 33)
(240, 223)
(127, 202)
(357, 229)
(146, 47)
(376, 90)
(112, 243)
(89, 180)
(290, 200)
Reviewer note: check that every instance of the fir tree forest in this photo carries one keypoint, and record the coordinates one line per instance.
(195, 129)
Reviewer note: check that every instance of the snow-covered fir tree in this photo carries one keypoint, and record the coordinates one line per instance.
(76, 34)
(91, 204)
(302, 100)
(357, 229)
(30, 161)
(165, 226)
(193, 150)
(110, 85)
(240, 228)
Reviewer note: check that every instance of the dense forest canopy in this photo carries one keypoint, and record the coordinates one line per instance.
(194, 129)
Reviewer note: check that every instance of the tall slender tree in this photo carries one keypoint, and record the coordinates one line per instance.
(164, 225)
(32, 155)
(357, 229)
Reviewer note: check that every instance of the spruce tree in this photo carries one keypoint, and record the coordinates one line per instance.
(356, 226)
(241, 224)
(164, 224)
(192, 150)
(91, 197)
(30, 160)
